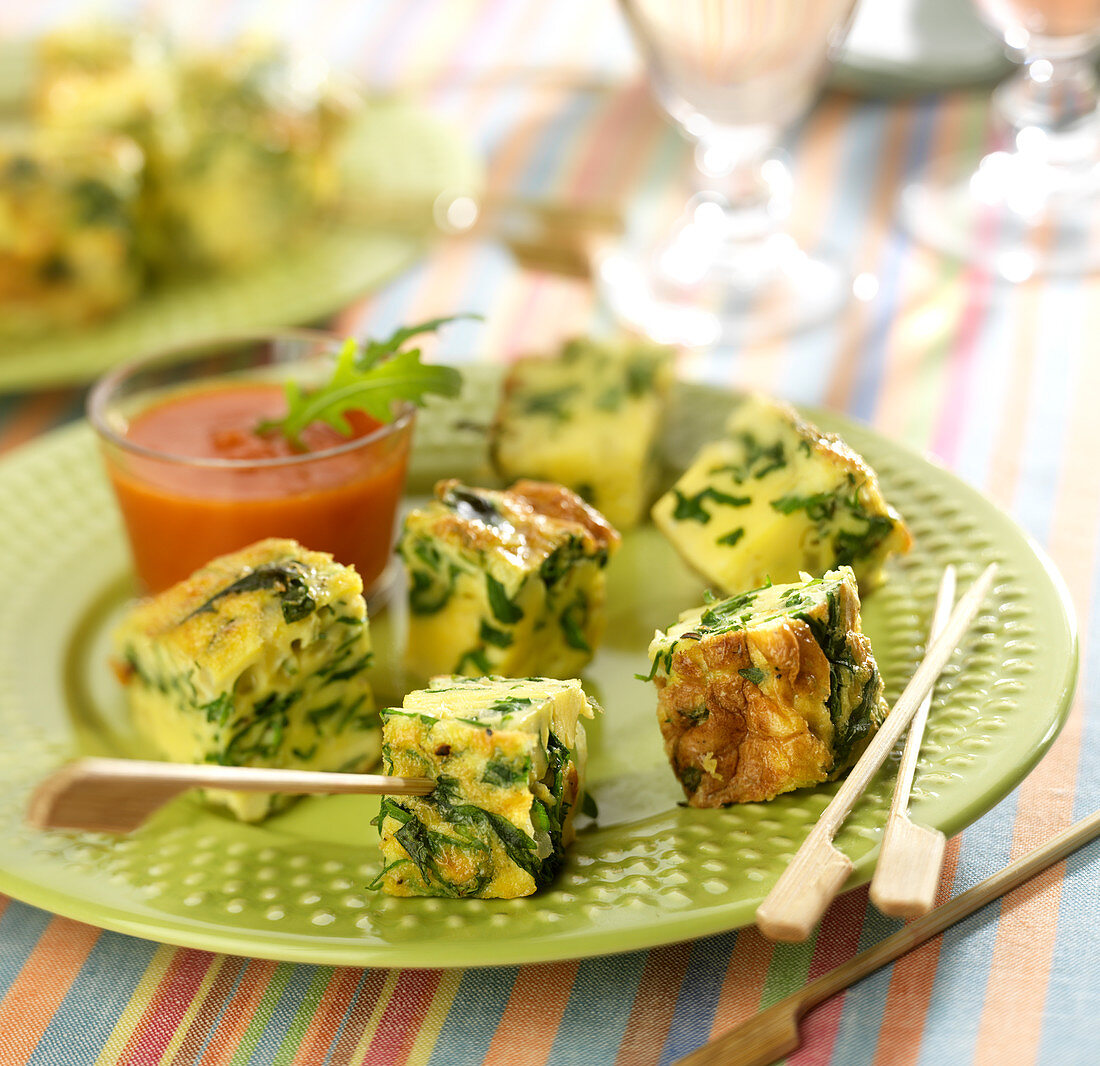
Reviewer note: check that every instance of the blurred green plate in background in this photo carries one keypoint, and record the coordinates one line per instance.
(396, 151)
(649, 871)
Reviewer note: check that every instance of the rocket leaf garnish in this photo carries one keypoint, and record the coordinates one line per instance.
(371, 376)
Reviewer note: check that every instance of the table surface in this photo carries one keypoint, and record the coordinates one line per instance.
(994, 380)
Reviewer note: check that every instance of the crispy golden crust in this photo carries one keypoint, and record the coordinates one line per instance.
(753, 746)
(538, 515)
(171, 608)
(556, 501)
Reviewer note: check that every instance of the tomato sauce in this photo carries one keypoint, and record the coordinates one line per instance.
(184, 511)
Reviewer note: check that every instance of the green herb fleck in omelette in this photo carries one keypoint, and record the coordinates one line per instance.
(776, 497)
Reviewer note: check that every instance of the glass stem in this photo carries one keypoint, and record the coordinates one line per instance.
(1049, 109)
(743, 202)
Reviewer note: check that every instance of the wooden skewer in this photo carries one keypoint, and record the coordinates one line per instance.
(909, 862)
(818, 870)
(117, 795)
(774, 1032)
(460, 211)
(527, 78)
(551, 236)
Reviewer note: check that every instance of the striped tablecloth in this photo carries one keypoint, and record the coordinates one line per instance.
(998, 382)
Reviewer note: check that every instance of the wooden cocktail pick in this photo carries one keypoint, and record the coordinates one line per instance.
(911, 856)
(558, 237)
(773, 1033)
(818, 870)
(117, 795)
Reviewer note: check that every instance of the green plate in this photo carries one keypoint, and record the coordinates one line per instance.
(396, 150)
(648, 872)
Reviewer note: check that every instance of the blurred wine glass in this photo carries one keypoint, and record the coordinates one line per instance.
(733, 75)
(1032, 204)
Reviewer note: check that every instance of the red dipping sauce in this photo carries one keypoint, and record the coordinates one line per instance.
(195, 479)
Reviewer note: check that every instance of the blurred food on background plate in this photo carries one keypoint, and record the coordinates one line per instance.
(135, 163)
(68, 215)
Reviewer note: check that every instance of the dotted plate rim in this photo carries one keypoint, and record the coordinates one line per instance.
(627, 886)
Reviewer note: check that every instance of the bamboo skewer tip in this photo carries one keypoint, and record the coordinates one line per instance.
(907, 873)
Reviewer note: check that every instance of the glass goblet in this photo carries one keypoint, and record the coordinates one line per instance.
(1032, 204)
(733, 75)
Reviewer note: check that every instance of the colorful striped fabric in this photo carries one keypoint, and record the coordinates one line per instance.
(998, 382)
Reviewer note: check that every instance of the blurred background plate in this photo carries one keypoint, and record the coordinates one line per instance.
(395, 151)
(911, 46)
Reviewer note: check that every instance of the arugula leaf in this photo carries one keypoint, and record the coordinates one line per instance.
(819, 506)
(540, 816)
(720, 616)
(371, 377)
(375, 351)
(759, 459)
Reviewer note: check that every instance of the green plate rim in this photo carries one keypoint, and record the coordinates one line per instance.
(675, 926)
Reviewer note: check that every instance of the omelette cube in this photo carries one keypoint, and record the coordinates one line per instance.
(250, 160)
(588, 419)
(68, 212)
(243, 143)
(767, 691)
(776, 497)
(505, 582)
(257, 659)
(508, 758)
